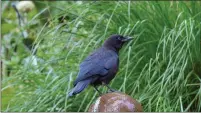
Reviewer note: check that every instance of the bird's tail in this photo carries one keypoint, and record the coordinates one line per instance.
(80, 86)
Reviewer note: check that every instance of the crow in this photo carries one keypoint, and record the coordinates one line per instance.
(100, 67)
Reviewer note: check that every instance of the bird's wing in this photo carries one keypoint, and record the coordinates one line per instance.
(97, 63)
(112, 62)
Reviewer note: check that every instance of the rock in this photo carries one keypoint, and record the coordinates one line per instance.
(115, 102)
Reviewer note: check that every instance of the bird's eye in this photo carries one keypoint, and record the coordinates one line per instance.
(119, 38)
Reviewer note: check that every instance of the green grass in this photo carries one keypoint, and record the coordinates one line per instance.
(156, 68)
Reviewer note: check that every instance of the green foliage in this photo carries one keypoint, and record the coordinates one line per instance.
(156, 68)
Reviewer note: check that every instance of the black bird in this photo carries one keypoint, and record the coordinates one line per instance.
(101, 66)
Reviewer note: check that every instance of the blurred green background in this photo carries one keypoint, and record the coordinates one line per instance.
(161, 68)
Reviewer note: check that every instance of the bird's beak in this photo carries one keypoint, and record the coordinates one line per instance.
(127, 39)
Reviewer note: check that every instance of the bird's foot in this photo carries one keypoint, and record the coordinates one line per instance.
(110, 89)
(99, 92)
(113, 90)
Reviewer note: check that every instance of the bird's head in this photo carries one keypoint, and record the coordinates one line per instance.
(115, 42)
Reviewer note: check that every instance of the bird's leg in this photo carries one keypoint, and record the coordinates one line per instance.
(97, 90)
(112, 90)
